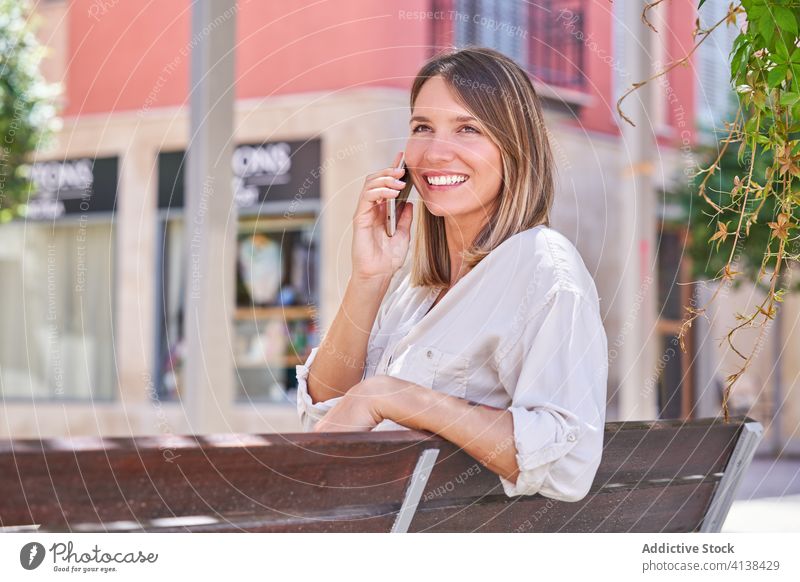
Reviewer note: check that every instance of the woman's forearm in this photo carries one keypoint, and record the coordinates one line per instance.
(339, 363)
(483, 432)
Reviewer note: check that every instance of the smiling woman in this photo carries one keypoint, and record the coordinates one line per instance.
(487, 331)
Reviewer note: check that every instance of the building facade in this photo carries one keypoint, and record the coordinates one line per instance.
(321, 100)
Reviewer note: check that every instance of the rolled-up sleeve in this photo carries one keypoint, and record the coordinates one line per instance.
(310, 412)
(555, 371)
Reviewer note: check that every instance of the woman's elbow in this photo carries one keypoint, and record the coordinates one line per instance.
(571, 478)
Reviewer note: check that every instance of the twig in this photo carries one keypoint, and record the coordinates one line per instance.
(668, 69)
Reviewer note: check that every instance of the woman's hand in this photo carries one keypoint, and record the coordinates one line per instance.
(375, 254)
(361, 409)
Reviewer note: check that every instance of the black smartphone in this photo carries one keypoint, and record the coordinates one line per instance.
(394, 206)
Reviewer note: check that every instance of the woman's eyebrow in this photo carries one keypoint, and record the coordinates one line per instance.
(459, 119)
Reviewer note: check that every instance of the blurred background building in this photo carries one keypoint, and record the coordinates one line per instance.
(93, 282)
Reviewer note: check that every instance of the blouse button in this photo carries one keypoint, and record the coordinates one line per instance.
(429, 354)
(571, 437)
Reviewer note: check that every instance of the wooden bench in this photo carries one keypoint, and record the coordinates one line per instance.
(662, 476)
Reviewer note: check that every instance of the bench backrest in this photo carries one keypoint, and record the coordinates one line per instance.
(662, 476)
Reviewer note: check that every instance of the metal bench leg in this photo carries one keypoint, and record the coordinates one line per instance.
(416, 486)
(743, 453)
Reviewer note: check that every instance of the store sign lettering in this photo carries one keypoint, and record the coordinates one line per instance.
(272, 171)
(270, 159)
(254, 166)
(65, 177)
(55, 182)
(67, 187)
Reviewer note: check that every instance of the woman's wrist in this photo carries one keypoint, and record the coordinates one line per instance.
(371, 286)
(398, 400)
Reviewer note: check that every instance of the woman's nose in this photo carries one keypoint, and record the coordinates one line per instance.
(439, 150)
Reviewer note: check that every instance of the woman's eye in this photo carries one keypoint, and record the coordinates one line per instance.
(467, 128)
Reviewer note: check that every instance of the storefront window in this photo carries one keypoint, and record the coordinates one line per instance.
(275, 318)
(57, 289)
(276, 190)
(276, 288)
(57, 285)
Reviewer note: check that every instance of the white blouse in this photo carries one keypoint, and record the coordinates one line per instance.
(521, 331)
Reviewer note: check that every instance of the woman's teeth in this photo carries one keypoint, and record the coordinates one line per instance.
(445, 180)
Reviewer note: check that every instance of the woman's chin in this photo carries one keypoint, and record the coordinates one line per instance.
(443, 210)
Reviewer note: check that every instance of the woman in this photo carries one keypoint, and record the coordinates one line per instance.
(488, 333)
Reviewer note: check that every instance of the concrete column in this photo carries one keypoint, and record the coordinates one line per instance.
(638, 285)
(135, 252)
(211, 220)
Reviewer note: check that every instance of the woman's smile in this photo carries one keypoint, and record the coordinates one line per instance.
(437, 181)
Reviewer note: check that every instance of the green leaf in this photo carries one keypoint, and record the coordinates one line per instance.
(766, 26)
(793, 68)
(755, 11)
(741, 55)
(785, 19)
(796, 111)
(777, 76)
(738, 42)
(790, 98)
(781, 52)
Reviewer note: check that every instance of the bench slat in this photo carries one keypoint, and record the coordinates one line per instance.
(631, 456)
(675, 508)
(657, 476)
(119, 485)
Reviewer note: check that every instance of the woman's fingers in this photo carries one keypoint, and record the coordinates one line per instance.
(392, 181)
(378, 192)
(376, 198)
(393, 170)
(372, 198)
(376, 195)
(383, 184)
(404, 222)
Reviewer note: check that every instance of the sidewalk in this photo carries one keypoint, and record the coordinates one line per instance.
(768, 499)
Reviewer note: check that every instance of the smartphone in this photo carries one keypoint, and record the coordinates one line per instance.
(394, 206)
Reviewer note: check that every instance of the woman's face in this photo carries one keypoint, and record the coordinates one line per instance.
(456, 168)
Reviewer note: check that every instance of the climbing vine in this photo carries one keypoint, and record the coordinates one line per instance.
(756, 214)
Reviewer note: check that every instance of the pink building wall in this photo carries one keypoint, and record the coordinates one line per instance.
(682, 79)
(136, 55)
(131, 55)
(599, 75)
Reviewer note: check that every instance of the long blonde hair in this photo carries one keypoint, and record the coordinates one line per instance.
(497, 92)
